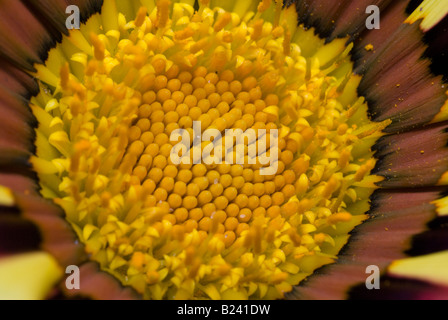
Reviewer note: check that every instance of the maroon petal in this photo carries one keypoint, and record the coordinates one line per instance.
(58, 238)
(98, 285)
(13, 160)
(22, 35)
(395, 217)
(15, 131)
(337, 18)
(17, 235)
(53, 13)
(433, 240)
(15, 80)
(393, 288)
(25, 37)
(352, 21)
(19, 184)
(438, 47)
(398, 84)
(413, 159)
(391, 20)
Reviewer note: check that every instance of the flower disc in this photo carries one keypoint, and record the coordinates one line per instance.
(114, 92)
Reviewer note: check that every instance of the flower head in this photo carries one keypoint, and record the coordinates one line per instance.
(113, 93)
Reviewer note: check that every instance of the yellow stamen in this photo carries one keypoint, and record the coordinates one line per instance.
(264, 5)
(163, 13)
(98, 47)
(222, 21)
(141, 15)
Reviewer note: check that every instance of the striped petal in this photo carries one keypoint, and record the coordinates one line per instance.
(17, 234)
(98, 285)
(337, 18)
(413, 159)
(398, 83)
(57, 237)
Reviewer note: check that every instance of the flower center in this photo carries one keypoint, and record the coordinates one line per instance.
(114, 92)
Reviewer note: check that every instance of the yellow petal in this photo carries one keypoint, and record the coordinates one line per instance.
(431, 11)
(443, 113)
(45, 75)
(110, 14)
(331, 51)
(432, 268)
(28, 277)
(6, 197)
(442, 206)
(212, 292)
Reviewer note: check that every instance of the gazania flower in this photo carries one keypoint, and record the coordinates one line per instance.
(351, 120)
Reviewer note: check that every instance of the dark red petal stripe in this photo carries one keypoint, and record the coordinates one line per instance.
(57, 236)
(433, 240)
(16, 131)
(22, 36)
(17, 234)
(352, 21)
(391, 20)
(98, 286)
(438, 49)
(26, 37)
(53, 12)
(398, 84)
(393, 288)
(16, 80)
(337, 18)
(413, 159)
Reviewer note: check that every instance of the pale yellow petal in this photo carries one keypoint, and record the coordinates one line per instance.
(6, 197)
(431, 268)
(431, 11)
(28, 277)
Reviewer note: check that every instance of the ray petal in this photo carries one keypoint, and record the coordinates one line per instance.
(337, 18)
(17, 234)
(22, 36)
(16, 80)
(57, 236)
(16, 131)
(431, 268)
(98, 285)
(398, 84)
(413, 159)
(431, 12)
(28, 276)
(391, 20)
(398, 288)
